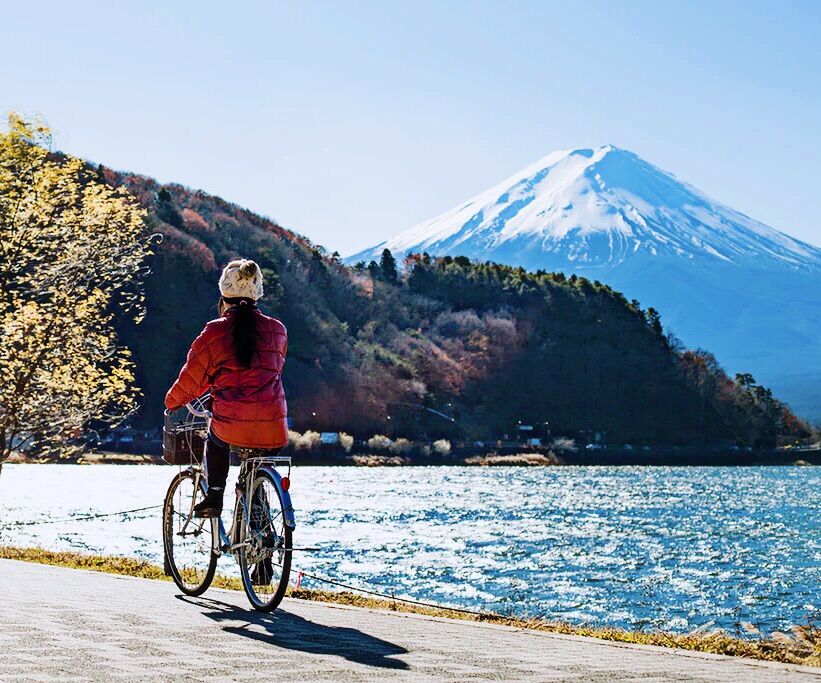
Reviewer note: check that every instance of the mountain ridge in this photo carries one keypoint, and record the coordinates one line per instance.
(748, 292)
(570, 195)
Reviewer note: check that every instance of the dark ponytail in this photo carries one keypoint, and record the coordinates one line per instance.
(244, 329)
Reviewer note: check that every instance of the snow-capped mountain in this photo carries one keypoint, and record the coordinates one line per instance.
(592, 208)
(722, 281)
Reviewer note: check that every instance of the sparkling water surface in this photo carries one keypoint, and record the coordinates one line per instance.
(661, 547)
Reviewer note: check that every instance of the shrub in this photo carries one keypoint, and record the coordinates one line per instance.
(441, 447)
(401, 446)
(379, 442)
(307, 441)
(346, 441)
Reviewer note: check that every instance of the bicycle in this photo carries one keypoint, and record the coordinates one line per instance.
(261, 533)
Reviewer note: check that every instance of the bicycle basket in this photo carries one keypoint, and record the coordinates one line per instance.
(183, 437)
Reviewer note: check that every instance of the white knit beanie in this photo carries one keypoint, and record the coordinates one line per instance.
(241, 278)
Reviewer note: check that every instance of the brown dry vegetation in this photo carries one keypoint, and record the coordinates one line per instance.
(533, 459)
(379, 460)
(801, 646)
(88, 458)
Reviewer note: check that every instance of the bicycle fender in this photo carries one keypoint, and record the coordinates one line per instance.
(285, 497)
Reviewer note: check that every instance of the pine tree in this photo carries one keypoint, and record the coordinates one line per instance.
(387, 266)
(654, 320)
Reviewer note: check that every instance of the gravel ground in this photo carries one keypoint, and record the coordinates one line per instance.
(60, 624)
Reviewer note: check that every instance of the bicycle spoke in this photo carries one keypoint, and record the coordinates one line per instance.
(264, 564)
(188, 540)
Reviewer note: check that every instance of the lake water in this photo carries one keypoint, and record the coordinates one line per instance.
(671, 548)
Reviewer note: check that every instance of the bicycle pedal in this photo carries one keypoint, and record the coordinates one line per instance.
(207, 513)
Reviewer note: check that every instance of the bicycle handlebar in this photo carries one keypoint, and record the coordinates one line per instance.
(198, 412)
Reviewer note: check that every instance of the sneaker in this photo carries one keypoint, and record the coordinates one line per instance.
(211, 505)
(262, 573)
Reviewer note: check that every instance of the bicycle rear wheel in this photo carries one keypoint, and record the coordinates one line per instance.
(265, 558)
(188, 542)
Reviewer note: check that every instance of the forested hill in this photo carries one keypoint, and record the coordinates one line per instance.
(485, 344)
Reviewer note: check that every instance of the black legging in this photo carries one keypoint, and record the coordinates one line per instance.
(217, 460)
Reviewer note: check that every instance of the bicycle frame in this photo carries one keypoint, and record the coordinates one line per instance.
(248, 471)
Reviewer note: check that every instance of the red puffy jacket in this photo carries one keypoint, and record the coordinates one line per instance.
(248, 403)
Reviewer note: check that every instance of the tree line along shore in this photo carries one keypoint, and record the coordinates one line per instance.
(326, 455)
(116, 273)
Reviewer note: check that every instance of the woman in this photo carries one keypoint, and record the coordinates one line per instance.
(238, 358)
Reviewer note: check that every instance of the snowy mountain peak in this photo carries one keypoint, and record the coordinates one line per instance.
(598, 207)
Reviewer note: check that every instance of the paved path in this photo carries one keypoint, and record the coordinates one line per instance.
(61, 624)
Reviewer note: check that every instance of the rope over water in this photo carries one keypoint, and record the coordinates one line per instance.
(83, 518)
(301, 574)
(391, 597)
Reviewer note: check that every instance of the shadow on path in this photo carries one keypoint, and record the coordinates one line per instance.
(292, 632)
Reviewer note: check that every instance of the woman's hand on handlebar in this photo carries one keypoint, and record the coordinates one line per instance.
(201, 407)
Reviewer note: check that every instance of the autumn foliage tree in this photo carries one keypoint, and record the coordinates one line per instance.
(71, 255)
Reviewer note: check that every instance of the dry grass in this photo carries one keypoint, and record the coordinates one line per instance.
(379, 460)
(801, 646)
(532, 459)
(110, 564)
(88, 458)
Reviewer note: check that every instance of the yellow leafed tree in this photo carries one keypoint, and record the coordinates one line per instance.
(72, 250)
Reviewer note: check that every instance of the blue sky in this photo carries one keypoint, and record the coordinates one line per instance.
(348, 122)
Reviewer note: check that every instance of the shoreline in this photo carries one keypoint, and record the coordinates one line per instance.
(524, 459)
(802, 648)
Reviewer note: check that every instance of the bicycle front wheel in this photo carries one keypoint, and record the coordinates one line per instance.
(265, 554)
(188, 542)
